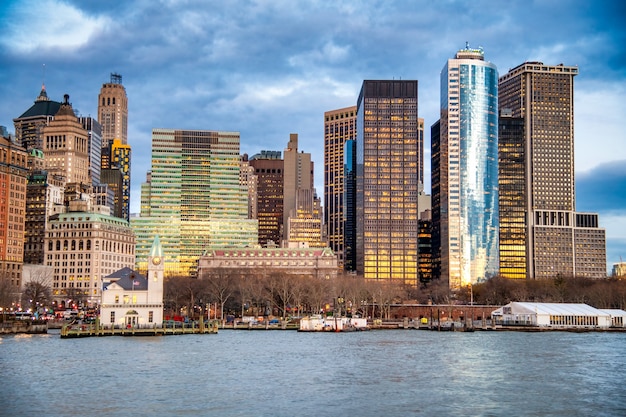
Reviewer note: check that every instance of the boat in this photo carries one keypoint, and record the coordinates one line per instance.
(318, 323)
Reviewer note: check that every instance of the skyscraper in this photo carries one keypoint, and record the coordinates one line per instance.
(269, 169)
(298, 192)
(339, 128)
(388, 182)
(29, 126)
(66, 146)
(116, 152)
(113, 111)
(556, 239)
(193, 199)
(465, 171)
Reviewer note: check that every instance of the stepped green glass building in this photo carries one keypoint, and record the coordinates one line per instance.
(192, 199)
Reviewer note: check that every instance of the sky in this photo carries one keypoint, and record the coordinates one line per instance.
(270, 68)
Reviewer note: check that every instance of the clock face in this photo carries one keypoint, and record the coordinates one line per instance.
(156, 260)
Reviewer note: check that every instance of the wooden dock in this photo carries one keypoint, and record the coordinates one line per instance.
(166, 329)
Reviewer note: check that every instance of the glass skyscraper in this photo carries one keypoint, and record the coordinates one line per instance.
(193, 199)
(388, 182)
(465, 171)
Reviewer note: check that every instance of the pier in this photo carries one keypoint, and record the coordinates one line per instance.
(166, 329)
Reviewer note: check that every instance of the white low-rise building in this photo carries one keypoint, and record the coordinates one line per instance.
(130, 299)
(552, 315)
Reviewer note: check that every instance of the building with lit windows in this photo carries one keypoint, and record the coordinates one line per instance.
(465, 171)
(113, 111)
(120, 157)
(512, 195)
(83, 245)
(193, 199)
(557, 240)
(268, 168)
(349, 205)
(318, 263)
(66, 146)
(29, 126)
(388, 183)
(339, 129)
(94, 135)
(13, 180)
(302, 221)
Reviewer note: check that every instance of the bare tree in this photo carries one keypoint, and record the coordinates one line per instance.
(221, 285)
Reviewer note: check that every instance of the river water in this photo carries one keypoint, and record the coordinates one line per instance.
(287, 373)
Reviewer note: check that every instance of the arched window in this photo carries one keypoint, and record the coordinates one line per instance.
(73, 245)
(80, 245)
(58, 245)
(88, 244)
(50, 245)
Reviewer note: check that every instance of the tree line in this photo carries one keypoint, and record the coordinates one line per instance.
(272, 292)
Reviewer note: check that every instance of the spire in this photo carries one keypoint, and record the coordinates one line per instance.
(156, 249)
(43, 96)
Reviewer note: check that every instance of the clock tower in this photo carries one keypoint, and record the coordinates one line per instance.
(156, 269)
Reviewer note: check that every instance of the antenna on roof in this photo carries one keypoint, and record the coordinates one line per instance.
(43, 76)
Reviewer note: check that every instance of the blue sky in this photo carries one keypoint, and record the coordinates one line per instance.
(270, 68)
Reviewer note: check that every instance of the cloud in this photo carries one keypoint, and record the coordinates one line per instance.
(50, 25)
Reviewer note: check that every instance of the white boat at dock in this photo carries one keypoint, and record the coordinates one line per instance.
(318, 323)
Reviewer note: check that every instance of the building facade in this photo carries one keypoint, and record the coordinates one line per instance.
(388, 167)
(66, 146)
(113, 111)
(297, 176)
(314, 262)
(465, 172)
(556, 239)
(339, 128)
(132, 300)
(194, 199)
(82, 246)
(269, 168)
(94, 135)
(29, 126)
(13, 181)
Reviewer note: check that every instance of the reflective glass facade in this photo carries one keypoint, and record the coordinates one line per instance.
(193, 200)
(468, 170)
(388, 168)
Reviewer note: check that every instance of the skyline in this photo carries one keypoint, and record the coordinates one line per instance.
(268, 69)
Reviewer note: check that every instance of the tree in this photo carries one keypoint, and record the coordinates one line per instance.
(220, 285)
(37, 294)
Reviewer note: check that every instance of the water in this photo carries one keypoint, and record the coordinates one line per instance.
(286, 373)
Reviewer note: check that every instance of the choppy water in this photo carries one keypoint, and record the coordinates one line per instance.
(286, 373)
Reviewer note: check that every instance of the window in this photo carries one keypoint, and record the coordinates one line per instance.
(150, 316)
(112, 317)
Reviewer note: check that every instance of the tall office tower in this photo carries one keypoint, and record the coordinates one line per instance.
(113, 111)
(248, 179)
(512, 195)
(349, 205)
(66, 146)
(29, 126)
(120, 158)
(13, 179)
(556, 239)
(339, 127)
(465, 171)
(94, 134)
(305, 222)
(193, 200)
(269, 167)
(298, 175)
(388, 169)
